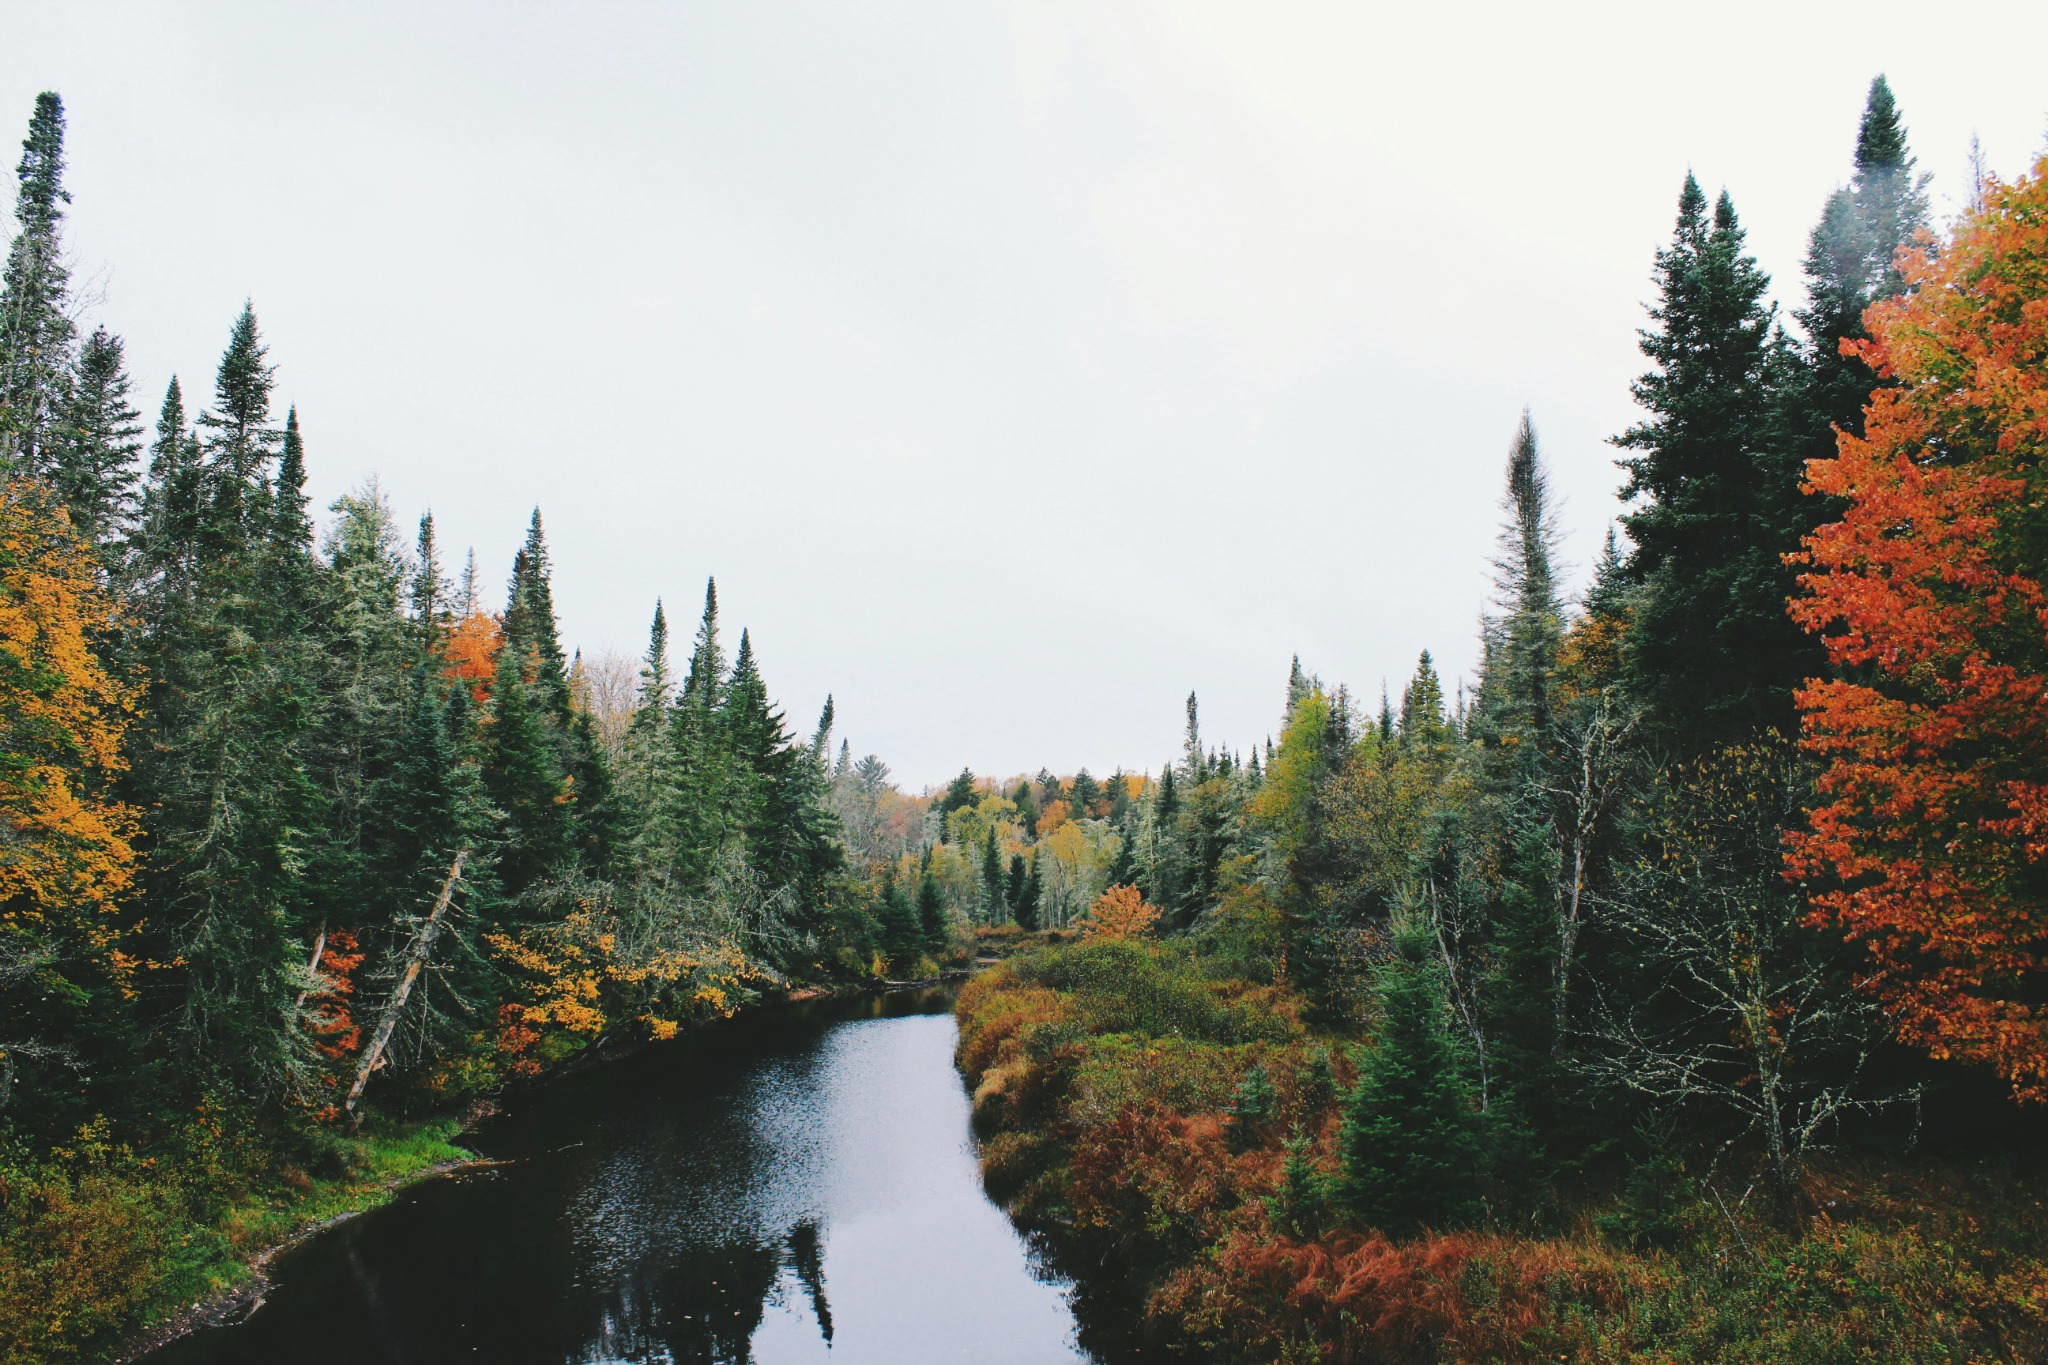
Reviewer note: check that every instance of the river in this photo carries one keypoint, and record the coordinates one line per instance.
(794, 1185)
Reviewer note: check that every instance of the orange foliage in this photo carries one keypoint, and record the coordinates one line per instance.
(1121, 912)
(1052, 815)
(68, 855)
(1454, 1297)
(333, 1020)
(471, 653)
(1932, 593)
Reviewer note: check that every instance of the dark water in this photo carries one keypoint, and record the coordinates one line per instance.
(796, 1185)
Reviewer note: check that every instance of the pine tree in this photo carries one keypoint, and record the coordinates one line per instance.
(37, 335)
(1711, 649)
(1410, 1141)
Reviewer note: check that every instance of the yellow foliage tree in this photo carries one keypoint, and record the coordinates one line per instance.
(68, 854)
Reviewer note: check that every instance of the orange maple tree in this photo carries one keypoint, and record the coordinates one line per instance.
(1931, 845)
(1121, 912)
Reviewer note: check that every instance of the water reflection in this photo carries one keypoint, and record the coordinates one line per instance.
(794, 1187)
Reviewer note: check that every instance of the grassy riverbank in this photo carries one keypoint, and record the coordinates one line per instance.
(1109, 1088)
(104, 1248)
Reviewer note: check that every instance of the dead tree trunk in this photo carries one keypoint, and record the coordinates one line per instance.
(422, 946)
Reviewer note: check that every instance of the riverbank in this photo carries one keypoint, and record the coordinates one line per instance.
(1117, 1118)
(211, 1272)
(109, 1251)
(394, 1161)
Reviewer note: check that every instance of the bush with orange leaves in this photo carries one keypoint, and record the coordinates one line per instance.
(1101, 1071)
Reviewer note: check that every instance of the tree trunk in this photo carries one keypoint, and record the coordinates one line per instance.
(421, 948)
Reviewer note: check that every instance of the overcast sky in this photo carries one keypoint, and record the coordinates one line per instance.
(1015, 368)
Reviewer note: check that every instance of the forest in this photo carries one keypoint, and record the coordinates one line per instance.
(1675, 989)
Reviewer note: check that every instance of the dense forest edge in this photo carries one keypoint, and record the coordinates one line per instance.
(1675, 990)
(1672, 991)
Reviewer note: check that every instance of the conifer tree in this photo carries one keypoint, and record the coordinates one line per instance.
(1410, 1141)
(1013, 888)
(37, 335)
(902, 938)
(525, 780)
(1711, 650)
(1422, 707)
(530, 625)
(235, 709)
(92, 453)
(931, 911)
(698, 750)
(992, 901)
(1026, 910)
(1515, 690)
(430, 609)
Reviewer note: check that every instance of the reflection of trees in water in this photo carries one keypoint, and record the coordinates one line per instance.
(807, 1259)
(702, 1304)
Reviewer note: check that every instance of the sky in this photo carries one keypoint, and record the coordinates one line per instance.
(1015, 368)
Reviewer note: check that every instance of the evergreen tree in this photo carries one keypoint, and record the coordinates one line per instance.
(1711, 650)
(1515, 691)
(698, 751)
(92, 453)
(1251, 1107)
(1013, 889)
(1410, 1141)
(1422, 707)
(530, 625)
(36, 332)
(931, 911)
(227, 763)
(1026, 908)
(992, 901)
(238, 440)
(430, 609)
(902, 938)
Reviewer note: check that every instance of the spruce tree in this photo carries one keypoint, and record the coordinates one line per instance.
(1410, 1141)
(931, 911)
(37, 335)
(1711, 650)
(698, 751)
(1026, 910)
(902, 938)
(992, 903)
(1013, 888)
(229, 764)
(1422, 707)
(525, 780)
(530, 625)
(429, 606)
(93, 452)
(1515, 690)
